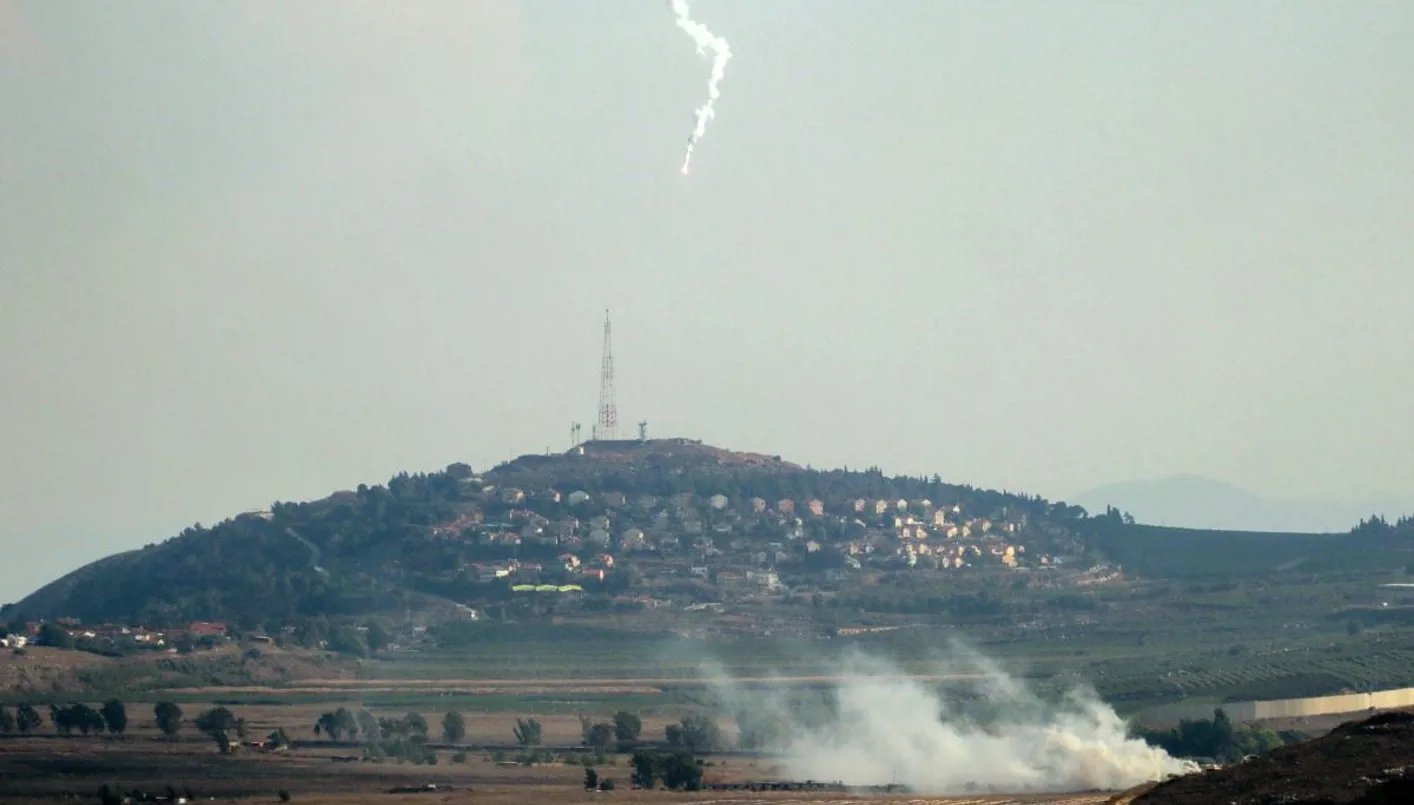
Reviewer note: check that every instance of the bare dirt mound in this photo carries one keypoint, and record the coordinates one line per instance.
(1358, 763)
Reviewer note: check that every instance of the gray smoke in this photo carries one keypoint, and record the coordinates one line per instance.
(990, 733)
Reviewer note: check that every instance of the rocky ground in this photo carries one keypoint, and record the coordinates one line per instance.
(1359, 763)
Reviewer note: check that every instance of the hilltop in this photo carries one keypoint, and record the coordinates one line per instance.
(605, 520)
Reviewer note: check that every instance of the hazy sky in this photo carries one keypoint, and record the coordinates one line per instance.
(263, 250)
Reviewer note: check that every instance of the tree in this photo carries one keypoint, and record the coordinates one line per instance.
(453, 727)
(599, 737)
(52, 634)
(336, 724)
(7, 721)
(416, 724)
(115, 716)
(169, 719)
(27, 719)
(368, 728)
(527, 732)
(377, 636)
(682, 772)
(219, 723)
(695, 733)
(761, 730)
(348, 640)
(1224, 735)
(59, 717)
(627, 726)
(645, 768)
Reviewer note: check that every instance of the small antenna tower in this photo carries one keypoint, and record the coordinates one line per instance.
(608, 427)
(574, 434)
(643, 431)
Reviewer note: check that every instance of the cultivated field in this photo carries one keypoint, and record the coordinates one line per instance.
(39, 769)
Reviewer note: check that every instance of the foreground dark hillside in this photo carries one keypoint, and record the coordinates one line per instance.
(588, 519)
(1365, 763)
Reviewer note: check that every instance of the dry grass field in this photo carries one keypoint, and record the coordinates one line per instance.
(39, 769)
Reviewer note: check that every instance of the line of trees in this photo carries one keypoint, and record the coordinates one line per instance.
(1218, 738)
(111, 717)
(402, 738)
(24, 720)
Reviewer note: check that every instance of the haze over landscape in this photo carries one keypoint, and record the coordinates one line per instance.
(255, 250)
(1013, 400)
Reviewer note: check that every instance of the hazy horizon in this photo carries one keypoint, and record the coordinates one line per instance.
(266, 249)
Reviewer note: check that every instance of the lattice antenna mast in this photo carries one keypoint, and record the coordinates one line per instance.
(608, 426)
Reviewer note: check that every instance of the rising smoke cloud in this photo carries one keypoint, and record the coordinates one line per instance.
(705, 40)
(886, 727)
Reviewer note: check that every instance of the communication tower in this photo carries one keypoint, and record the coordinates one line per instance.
(608, 426)
(643, 431)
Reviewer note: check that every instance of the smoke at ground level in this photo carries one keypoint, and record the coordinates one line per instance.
(882, 727)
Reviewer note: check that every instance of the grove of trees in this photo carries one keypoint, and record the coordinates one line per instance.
(1217, 738)
(678, 771)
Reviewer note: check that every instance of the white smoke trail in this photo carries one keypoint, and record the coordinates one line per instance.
(887, 728)
(721, 52)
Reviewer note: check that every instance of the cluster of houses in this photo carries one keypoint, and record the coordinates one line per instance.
(144, 637)
(746, 543)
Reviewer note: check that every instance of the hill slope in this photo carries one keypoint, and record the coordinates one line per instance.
(1362, 763)
(458, 536)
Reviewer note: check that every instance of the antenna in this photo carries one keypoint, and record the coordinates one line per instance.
(574, 434)
(643, 431)
(608, 427)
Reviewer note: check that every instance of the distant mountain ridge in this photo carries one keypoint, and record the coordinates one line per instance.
(1193, 501)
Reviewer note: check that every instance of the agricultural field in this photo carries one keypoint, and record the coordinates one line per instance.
(40, 769)
(1138, 642)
